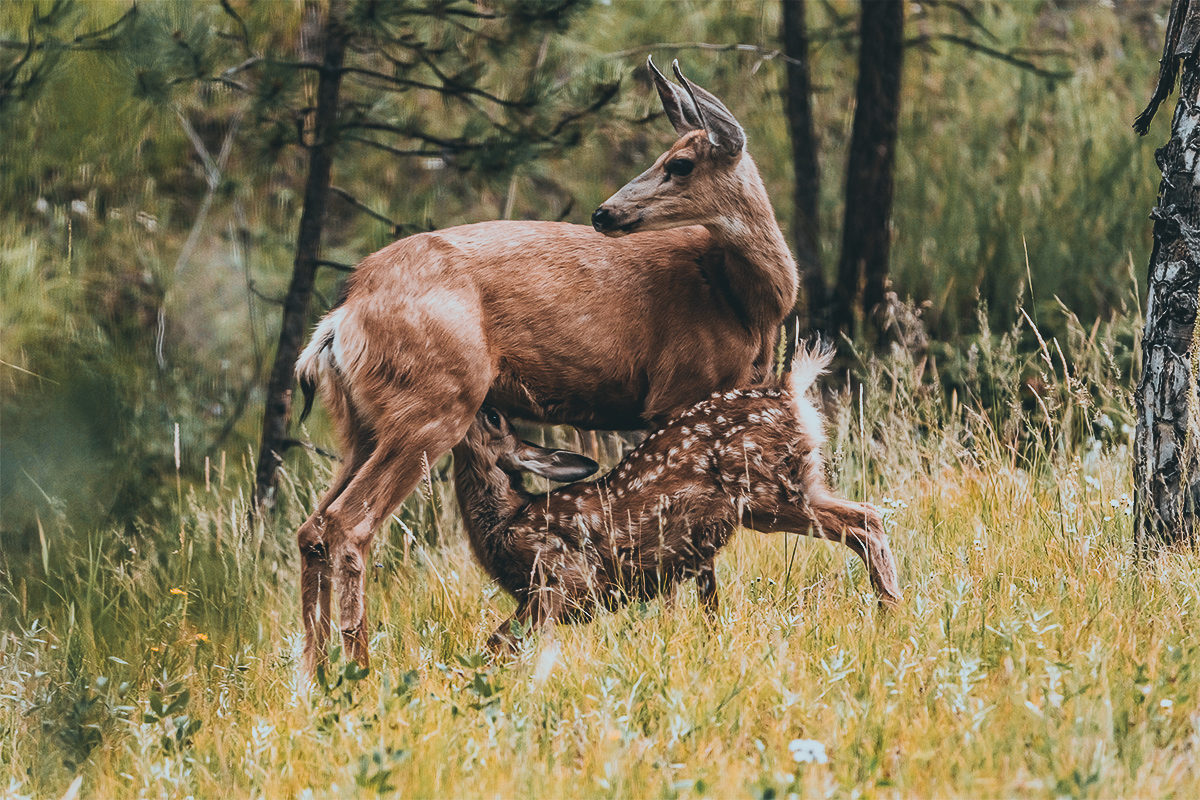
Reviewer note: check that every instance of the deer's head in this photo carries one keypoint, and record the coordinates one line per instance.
(693, 181)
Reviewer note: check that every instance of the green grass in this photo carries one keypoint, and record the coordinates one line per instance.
(1034, 655)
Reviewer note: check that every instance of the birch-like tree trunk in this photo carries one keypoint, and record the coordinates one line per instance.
(1167, 441)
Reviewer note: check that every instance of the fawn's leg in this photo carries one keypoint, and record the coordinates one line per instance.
(706, 589)
(860, 527)
(540, 610)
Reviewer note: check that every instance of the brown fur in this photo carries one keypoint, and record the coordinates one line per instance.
(545, 321)
(746, 457)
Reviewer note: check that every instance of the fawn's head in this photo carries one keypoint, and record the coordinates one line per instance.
(492, 442)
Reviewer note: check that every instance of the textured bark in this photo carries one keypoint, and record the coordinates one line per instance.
(1167, 440)
(308, 249)
(866, 232)
(806, 221)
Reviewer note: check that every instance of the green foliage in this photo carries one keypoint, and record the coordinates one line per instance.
(75, 722)
(105, 235)
(1033, 190)
(165, 705)
(337, 685)
(453, 115)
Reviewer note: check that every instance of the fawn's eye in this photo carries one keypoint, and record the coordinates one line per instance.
(679, 167)
(492, 417)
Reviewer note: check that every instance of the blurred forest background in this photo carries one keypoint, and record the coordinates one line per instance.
(154, 171)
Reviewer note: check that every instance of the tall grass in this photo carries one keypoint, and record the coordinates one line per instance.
(1033, 655)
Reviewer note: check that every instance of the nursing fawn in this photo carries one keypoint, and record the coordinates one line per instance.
(747, 457)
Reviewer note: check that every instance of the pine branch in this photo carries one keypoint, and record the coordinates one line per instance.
(604, 99)
(765, 53)
(274, 301)
(321, 262)
(1012, 56)
(396, 228)
(241, 23)
(925, 40)
(396, 151)
(966, 13)
(452, 145)
(468, 89)
(458, 90)
(77, 43)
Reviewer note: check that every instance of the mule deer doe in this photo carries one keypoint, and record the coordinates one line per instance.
(683, 295)
(749, 457)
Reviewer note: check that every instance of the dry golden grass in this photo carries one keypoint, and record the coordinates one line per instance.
(1033, 656)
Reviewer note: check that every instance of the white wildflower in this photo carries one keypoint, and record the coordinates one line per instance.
(807, 751)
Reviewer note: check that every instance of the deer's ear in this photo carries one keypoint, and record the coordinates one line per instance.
(724, 131)
(562, 466)
(676, 102)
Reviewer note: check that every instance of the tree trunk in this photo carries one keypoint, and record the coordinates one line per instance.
(866, 232)
(806, 192)
(308, 247)
(1167, 440)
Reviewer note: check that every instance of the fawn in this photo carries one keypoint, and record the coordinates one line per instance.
(748, 457)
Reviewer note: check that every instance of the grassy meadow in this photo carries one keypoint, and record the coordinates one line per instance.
(150, 636)
(1034, 656)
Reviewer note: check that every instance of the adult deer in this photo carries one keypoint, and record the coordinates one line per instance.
(682, 296)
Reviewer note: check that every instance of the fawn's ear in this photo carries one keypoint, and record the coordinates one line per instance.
(557, 465)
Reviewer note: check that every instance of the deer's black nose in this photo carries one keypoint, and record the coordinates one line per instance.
(602, 219)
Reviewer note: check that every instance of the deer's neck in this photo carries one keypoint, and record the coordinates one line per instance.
(488, 498)
(759, 266)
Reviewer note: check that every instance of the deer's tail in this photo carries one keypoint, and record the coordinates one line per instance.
(810, 362)
(317, 364)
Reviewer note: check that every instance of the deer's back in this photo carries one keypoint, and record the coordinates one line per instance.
(580, 328)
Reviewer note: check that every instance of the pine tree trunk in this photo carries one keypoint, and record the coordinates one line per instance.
(1167, 440)
(304, 270)
(866, 232)
(806, 222)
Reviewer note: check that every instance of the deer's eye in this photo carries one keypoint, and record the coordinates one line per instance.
(492, 417)
(679, 167)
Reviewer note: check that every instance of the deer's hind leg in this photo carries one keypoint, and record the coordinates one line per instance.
(316, 569)
(858, 525)
(419, 402)
(389, 475)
